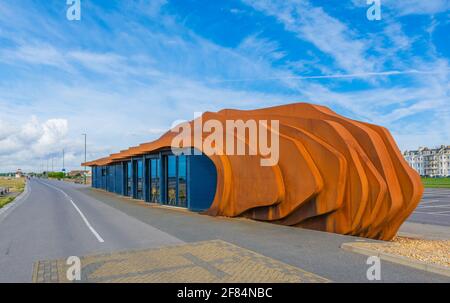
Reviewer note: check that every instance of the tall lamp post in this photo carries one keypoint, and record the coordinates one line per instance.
(85, 135)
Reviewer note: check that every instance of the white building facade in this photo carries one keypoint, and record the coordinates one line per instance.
(430, 162)
(19, 174)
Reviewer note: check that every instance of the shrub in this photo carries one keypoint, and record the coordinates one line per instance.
(56, 175)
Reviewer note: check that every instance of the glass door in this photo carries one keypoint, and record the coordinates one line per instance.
(182, 181)
(155, 181)
(171, 180)
(175, 180)
(129, 179)
(139, 179)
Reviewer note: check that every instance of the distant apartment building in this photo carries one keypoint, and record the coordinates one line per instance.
(430, 162)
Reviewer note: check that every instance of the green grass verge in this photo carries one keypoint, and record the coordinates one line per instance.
(4, 201)
(436, 182)
(16, 186)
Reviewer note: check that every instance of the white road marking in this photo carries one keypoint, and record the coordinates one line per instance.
(436, 214)
(94, 232)
(100, 239)
(441, 212)
(431, 201)
(434, 206)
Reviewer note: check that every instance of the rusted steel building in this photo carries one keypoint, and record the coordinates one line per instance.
(333, 174)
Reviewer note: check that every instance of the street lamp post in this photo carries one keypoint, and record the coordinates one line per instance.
(85, 135)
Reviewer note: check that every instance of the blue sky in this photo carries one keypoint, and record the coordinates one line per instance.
(128, 69)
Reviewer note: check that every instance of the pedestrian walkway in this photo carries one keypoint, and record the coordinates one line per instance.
(206, 261)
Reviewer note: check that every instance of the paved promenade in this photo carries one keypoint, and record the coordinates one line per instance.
(208, 262)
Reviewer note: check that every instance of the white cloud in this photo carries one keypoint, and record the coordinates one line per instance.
(397, 38)
(325, 32)
(42, 54)
(417, 7)
(260, 48)
(35, 137)
(5, 130)
(33, 140)
(53, 132)
(139, 94)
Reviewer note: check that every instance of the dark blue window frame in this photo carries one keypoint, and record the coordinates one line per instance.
(138, 179)
(171, 194)
(128, 178)
(155, 180)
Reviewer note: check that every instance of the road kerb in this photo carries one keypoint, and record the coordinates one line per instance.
(433, 268)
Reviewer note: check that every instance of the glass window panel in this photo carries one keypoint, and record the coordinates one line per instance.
(129, 178)
(171, 180)
(182, 183)
(140, 169)
(130, 169)
(154, 181)
(139, 185)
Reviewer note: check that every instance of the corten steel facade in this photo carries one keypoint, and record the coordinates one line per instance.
(334, 174)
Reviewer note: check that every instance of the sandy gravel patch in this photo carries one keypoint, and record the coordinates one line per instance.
(429, 251)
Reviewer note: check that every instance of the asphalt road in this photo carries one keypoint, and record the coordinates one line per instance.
(57, 220)
(434, 207)
(47, 225)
